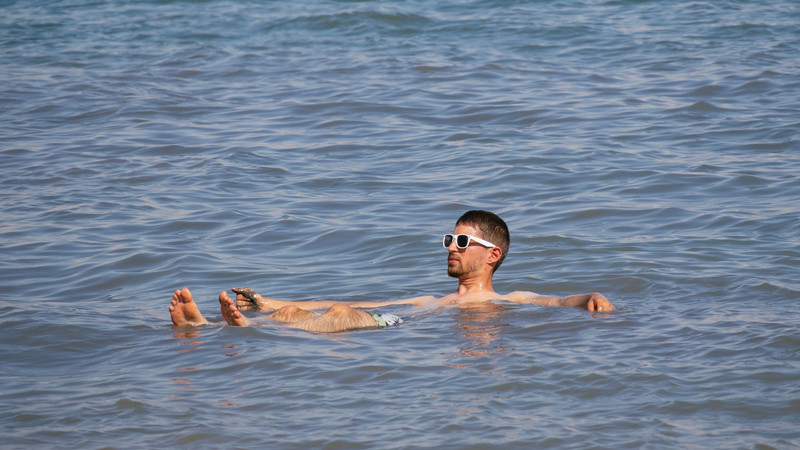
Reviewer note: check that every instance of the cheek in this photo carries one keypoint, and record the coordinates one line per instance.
(473, 264)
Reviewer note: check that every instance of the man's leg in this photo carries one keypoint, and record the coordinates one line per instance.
(184, 311)
(339, 317)
(291, 314)
(234, 316)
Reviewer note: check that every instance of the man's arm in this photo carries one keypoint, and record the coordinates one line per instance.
(592, 302)
(253, 300)
(531, 298)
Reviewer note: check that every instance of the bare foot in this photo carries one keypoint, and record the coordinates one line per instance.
(184, 311)
(230, 312)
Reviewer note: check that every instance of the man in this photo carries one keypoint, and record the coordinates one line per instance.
(476, 248)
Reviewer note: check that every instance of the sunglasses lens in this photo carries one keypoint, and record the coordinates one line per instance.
(448, 239)
(462, 240)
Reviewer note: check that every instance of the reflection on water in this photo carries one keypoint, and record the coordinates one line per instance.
(480, 326)
(188, 334)
(232, 347)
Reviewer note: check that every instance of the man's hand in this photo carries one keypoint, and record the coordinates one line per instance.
(248, 299)
(598, 302)
(593, 302)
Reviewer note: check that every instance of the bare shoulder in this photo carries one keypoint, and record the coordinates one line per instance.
(519, 296)
(447, 300)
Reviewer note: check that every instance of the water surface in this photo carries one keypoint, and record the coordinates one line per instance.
(318, 150)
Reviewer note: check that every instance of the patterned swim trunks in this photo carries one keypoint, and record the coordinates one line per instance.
(386, 319)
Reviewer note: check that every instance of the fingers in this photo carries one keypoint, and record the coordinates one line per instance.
(247, 293)
(598, 302)
(243, 303)
(604, 305)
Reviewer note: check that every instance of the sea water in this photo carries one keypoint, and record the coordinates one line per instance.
(319, 149)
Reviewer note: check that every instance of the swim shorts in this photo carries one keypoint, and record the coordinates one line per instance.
(386, 319)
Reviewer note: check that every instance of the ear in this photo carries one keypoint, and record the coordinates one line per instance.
(495, 253)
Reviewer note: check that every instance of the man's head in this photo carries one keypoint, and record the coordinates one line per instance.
(489, 227)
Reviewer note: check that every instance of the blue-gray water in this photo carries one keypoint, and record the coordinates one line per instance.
(645, 149)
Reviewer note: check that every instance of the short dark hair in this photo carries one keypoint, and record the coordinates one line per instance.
(492, 228)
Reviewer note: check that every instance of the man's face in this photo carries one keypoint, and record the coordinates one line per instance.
(463, 261)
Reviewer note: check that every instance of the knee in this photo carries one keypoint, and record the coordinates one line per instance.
(340, 308)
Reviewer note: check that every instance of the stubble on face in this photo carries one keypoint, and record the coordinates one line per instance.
(456, 267)
(464, 262)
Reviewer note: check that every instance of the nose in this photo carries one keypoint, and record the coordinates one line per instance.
(453, 247)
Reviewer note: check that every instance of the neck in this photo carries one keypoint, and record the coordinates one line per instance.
(475, 285)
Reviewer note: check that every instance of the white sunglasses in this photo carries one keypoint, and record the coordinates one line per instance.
(463, 240)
